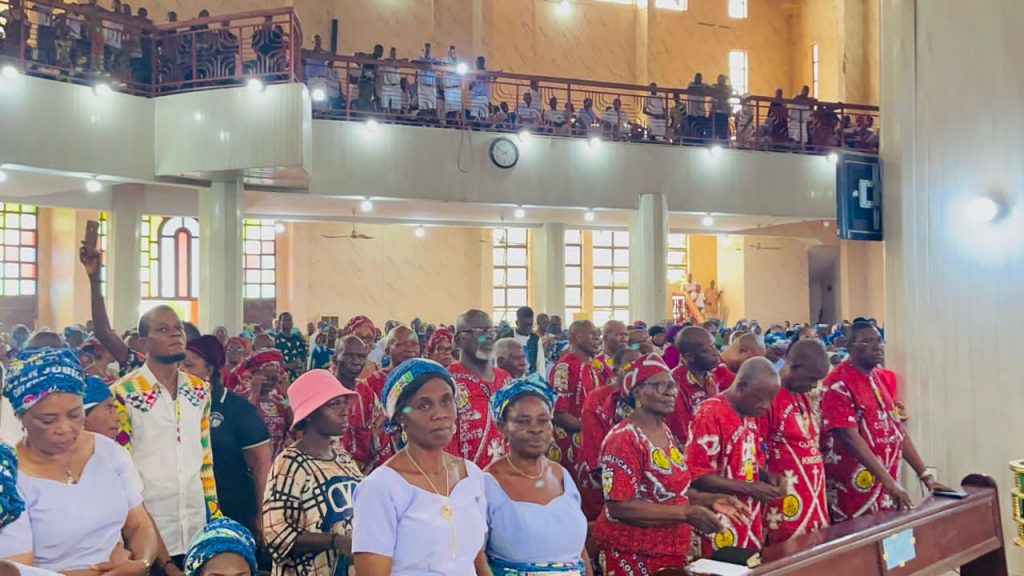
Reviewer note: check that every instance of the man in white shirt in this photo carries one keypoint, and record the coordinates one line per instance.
(527, 115)
(615, 120)
(554, 119)
(530, 341)
(165, 424)
(654, 109)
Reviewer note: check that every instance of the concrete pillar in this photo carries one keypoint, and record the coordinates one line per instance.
(549, 271)
(648, 249)
(220, 255)
(123, 245)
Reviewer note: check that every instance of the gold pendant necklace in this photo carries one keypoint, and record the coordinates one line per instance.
(543, 469)
(446, 509)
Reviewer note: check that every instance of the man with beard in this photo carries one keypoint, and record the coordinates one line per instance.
(696, 377)
(614, 337)
(402, 344)
(365, 438)
(165, 424)
(477, 437)
(574, 377)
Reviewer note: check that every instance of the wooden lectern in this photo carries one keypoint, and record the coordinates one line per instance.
(964, 535)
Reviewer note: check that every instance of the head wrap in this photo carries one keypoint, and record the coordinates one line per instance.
(532, 384)
(209, 349)
(358, 322)
(245, 343)
(96, 391)
(406, 373)
(220, 536)
(440, 334)
(11, 504)
(266, 358)
(672, 332)
(642, 369)
(40, 372)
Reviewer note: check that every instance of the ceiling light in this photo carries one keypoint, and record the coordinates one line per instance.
(3, 176)
(708, 220)
(318, 95)
(279, 227)
(93, 185)
(420, 232)
(588, 215)
(594, 142)
(254, 85)
(524, 135)
(102, 89)
(564, 7)
(715, 150)
(366, 205)
(198, 116)
(832, 158)
(461, 68)
(9, 71)
(520, 213)
(371, 125)
(982, 210)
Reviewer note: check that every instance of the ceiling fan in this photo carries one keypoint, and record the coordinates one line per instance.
(758, 246)
(354, 235)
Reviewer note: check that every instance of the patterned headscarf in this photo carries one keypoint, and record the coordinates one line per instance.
(440, 334)
(532, 384)
(269, 358)
(356, 322)
(642, 369)
(245, 343)
(40, 372)
(407, 373)
(11, 504)
(220, 536)
(96, 391)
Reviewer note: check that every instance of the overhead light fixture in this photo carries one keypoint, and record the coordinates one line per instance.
(279, 227)
(832, 158)
(708, 220)
(420, 232)
(102, 89)
(524, 135)
(371, 125)
(366, 205)
(9, 71)
(318, 95)
(594, 141)
(519, 213)
(983, 210)
(715, 150)
(588, 215)
(254, 85)
(3, 176)
(462, 68)
(93, 185)
(198, 116)
(564, 7)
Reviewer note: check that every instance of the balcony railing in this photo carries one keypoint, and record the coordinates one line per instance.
(88, 44)
(442, 95)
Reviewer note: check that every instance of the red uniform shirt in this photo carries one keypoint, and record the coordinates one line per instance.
(633, 468)
(603, 409)
(726, 444)
(853, 399)
(377, 379)
(366, 439)
(476, 436)
(692, 392)
(603, 365)
(724, 376)
(791, 450)
(573, 380)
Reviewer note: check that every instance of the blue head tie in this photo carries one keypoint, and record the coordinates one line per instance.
(532, 384)
(40, 372)
(401, 376)
(11, 504)
(96, 391)
(220, 536)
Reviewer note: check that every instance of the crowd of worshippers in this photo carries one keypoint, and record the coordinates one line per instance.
(88, 40)
(629, 450)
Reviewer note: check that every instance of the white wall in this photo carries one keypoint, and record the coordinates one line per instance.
(776, 279)
(952, 84)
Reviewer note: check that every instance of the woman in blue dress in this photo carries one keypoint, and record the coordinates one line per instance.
(533, 506)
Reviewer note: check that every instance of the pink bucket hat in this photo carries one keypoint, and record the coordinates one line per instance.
(311, 391)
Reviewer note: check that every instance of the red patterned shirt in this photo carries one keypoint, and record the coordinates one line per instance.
(693, 392)
(603, 365)
(603, 409)
(476, 435)
(791, 441)
(573, 380)
(853, 399)
(365, 438)
(376, 381)
(726, 444)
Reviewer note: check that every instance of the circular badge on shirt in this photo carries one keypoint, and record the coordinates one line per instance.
(660, 459)
(676, 456)
(554, 454)
(791, 506)
(216, 419)
(577, 439)
(725, 538)
(607, 477)
(863, 480)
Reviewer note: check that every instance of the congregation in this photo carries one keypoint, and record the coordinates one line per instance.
(463, 449)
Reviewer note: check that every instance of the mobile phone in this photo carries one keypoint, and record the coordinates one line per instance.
(950, 494)
(92, 234)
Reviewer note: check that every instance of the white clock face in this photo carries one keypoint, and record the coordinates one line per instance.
(504, 153)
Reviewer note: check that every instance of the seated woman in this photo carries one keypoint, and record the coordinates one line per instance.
(222, 548)
(83, 497)
(533, 506)
(423, 511)
(649, 506)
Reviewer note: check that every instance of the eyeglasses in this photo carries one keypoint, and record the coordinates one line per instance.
(664, 387)
(491, 331)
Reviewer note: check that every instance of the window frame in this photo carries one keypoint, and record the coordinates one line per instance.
(505, 244)
(619, 242)
(577, 247)
(741, 81)
(815, 69)
(737, 9)
(257, 248)
(19, 273)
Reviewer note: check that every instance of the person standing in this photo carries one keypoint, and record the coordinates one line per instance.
(440, 346)
(402, 344)
(264, 381)
(362, 327)
(614, 337)
(292, 345)
(863, 438)
(574, 377)
(725, 457)
(365, 439)
(165, 424)
(510, 357)
(477, 438)
(696, 377)
(322, 352)
(530, 341)
(790, 434)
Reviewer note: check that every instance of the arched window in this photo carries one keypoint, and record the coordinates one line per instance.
(170, 258)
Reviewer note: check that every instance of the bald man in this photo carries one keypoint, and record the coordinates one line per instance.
(476, 435)
(574, 378)
(742, 348)
(695, 376)
(402, 345)
(724, 455)
(614, 337)
(791, 438)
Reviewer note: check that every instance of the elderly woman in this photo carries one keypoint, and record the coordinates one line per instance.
(222, 548)
(263, 381)
(62, 469)
(423, 507)
(649, 506)
(100, 412)
(533, 506)
(307, 511)
(236, 349)
(439, 347)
